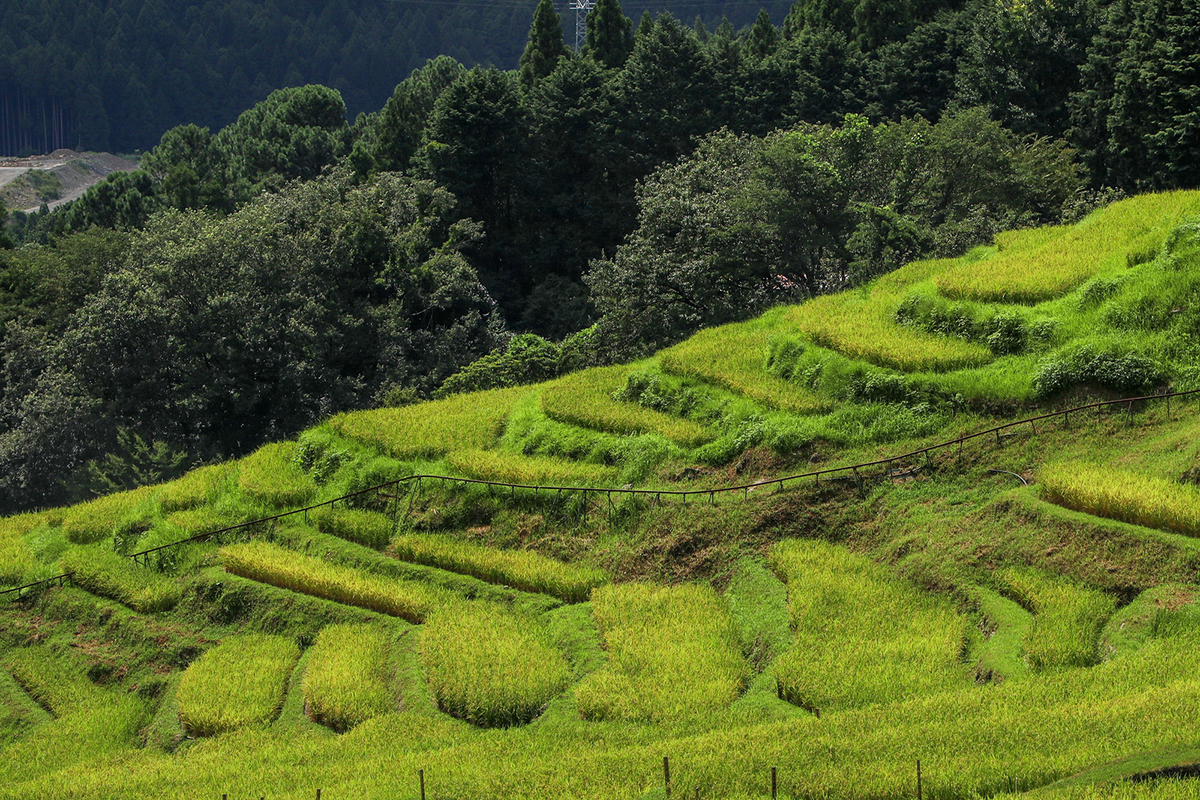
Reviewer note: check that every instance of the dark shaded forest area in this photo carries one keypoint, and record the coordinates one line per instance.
(487, 227)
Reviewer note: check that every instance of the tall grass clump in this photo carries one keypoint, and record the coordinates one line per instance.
(864, 327)
(239, 682)
(521, 569)
(369, 528)
(1123, 495)
(287, 569)
(271, 474)
(862, 635)
(586, 399)
(15, 556)
(434, 428)
(1124, 234)
(673, 653)
(490, 666)
(497, 465)
(195, 488)
(87, 523)
(57, 681)
(346, 681)
(1067, 619)
(109, 574)
(734, 357)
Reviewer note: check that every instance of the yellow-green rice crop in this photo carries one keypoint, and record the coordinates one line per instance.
(196, 487)
(673, 653)
(368, 528)
(1124, 495)
(434, 428)
(586, 399)
(521, 569)
(271, 474)
(268, 563)
(1123, 233)
(108, 574)
(57, 681)
(862, 635)
(239, 682)
(489, 665)
(347, 678)
(1028, 238)
(496, 465)
(15, 556)
(862, 326)
(1067, 619)
(94, 520)
(193, 521)
(734, 357)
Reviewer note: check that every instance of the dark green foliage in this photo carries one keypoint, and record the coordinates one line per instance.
(527, 358)
(763, 38)
(545, 45)
(609, 34)
(1089, 365)
(396, 133)
(134, 462)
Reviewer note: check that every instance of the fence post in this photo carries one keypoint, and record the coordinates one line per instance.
(421, 774)
(774, 783)
(918, 779)
(667, 775)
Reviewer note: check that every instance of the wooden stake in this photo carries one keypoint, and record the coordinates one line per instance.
(918, 779)
(774, 784)
(667, 775)
(421, 773)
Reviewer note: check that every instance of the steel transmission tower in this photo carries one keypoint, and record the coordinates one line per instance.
(582, 7)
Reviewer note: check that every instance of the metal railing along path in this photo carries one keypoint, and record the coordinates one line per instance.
(847, 472)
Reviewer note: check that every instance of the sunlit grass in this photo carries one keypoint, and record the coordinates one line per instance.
(853, 646)
(346, 681)
(15, 556)
(95, 520)
(239, 682)
(369, 528)
(272, 475)
(673, 653)
(503, 467)
(57, 681)
(109, 574)
(1124, 495)
(197, 487)
(521, 569)
(1067, 618)
(490, 666)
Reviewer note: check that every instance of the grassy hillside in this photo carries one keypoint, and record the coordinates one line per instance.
(1019, 615)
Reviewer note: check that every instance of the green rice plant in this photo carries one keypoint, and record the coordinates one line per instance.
(195, 488)
(863, 326)
(204, 519)
(734, 357)
(369, 528)
(271, 474)
(267, 563)
(1025, 239)
(435, 428)
(1067, 619)
(521, 569)
(90, 522)
(347, 678)
(1123, 495)
(1125, 233)
(503, 467)
(239, 682)
(862, 635)
(15, 556)
(490, 666)
(673, 654)
(57, 681)
(108, 574)
(586, 399)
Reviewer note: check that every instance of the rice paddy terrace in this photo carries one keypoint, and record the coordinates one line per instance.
(1017, 611)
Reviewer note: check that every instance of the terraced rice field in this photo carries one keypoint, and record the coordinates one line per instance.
(239, 682)
(1124, 495)
(347, 680)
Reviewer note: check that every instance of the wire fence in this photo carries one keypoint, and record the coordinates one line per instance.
(850, 472)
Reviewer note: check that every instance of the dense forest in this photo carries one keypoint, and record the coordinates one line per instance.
(487, 227)
(114, 74)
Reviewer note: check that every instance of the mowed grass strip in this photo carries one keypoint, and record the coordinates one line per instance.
(109, 574)
(863, 327)
(287, 569)
(491, 666)
(90, 522)
(734, 358)
(347, 679)
(57, 681)
(502, 467)
(1121, 234)
(1067, 619)
(369, 528)
(862, 634)
(435, 428)
(239, 682)
(521, 569)
(673, 654)
(1123, 495)
(195, 488)
(272, 474)
(586, 399)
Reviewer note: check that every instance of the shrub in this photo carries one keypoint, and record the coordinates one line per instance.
(239, 682)
(527, 358)
(491, 666)
(346, 680)
(520, 569)
(368, 528)
(1067, 619)
(272, 475)
(410, 600)
(1089, 364)
(109, 574)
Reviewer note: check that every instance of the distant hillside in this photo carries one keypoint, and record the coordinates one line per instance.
(62, 176)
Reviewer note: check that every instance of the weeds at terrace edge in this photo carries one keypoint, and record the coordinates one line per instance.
(239, 682)
(491, 666)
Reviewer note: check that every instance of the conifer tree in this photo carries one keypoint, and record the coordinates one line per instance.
(763, 37)
(609, 34)
(545, 45)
